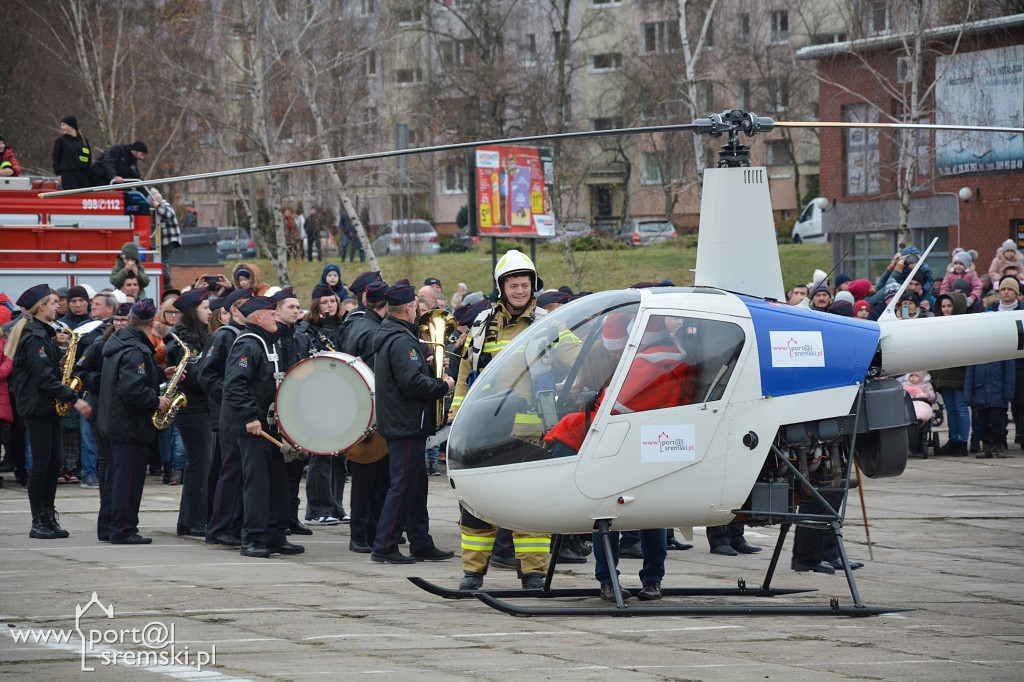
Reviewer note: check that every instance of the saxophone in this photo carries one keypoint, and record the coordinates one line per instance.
(66, 378)
(161, 420)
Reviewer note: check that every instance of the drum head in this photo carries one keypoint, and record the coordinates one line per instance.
(325, 403)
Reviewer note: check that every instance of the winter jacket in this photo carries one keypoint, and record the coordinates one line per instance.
(6, 365)
(406, 389)
(294, 346)
(320, 335)
(8, 159)
(195, 395)
(130, 387)
(210, 372)
(75, 321)
(256, 283)
(89, 369)
(71, 154)
(899, 274)
(990, 384)
(118, 273)
(35, 376)
(170, 233)
(950, 377)
(338, 288)
(1001, 262)
(970, 277)
(117, 160)
(249, 385)
(359, 333)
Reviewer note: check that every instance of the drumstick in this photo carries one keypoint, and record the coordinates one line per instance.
(272, 439)
(287, 450)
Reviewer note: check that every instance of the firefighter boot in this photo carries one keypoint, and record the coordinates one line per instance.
(471, 581)
(533, 581)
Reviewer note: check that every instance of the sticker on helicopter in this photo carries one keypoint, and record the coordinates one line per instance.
(797, 349)
(672, 443)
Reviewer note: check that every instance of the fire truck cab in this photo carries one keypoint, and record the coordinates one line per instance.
(71, 240)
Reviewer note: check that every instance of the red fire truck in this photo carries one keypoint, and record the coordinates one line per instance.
(70, 240)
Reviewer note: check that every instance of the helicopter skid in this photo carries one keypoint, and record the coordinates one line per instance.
(741, 590)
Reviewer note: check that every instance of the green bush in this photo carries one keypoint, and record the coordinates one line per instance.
(785, 228)
(591, 242)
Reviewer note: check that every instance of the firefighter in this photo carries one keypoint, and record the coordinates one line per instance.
(517, 284)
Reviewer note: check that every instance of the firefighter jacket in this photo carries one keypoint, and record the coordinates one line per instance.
(195, 396)
(249, 383)
(35, 376)
(130, 387)
(211, 367)
(406, 389)
(358, 338)
(71, 154)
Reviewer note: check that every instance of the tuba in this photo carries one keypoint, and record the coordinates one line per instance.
(66, 378)
(161, 420)
(435, 326)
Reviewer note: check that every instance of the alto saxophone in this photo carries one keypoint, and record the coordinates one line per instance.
(66, 378)
(161, 420)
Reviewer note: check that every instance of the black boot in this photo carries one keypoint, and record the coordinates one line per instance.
(51, 522)
(167, 473)
(40, 528)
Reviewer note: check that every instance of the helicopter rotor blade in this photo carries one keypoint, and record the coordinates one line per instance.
(915, 126)
(375, 155)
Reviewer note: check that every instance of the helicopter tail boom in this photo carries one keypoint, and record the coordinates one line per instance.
(913, 345)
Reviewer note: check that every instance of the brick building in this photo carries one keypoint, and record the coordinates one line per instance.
(968, 188)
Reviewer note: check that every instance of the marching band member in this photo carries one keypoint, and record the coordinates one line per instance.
(130, 387)
(35, 383)
(323, 319)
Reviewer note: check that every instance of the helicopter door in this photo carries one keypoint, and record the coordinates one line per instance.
(666, 403)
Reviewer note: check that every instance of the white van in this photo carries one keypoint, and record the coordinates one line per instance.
(807, 229)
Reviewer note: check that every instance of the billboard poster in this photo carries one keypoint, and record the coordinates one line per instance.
(984, 88)
(512, 192)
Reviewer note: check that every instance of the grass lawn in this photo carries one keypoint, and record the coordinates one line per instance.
(599, 270)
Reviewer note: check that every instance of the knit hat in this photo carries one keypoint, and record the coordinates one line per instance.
(820, 286)
(819, 276)
(400, 293)
(891, 287)
(71, 121)
(78, 291)
(963, 258)
(242, 272)
(474, 297)
(962, 286)
(32, 296)
(375, 291)
(359, 284)
(62, 292)
(321, 290)
(910, 297)
(236, 295)
(861, 304)
(844, 308)
(842, 279)
(845, 296)
(1009, 283)
(190, 298)
(139, 146)
(1008, 245)
(256, 304)
(859, 288)
(144, 309)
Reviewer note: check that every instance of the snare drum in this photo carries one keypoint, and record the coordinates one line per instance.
(325, 403)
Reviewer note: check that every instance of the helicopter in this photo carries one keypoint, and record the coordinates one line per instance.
(764, 405)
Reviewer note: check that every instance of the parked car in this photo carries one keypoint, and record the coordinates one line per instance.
(646, 231)
(463, 241)
(407, 238)
(234, 243)
(571, 229)
(807, 229)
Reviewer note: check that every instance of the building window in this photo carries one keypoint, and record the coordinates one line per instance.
(608, 61)
(872, 252)
(454, 179)
(706, 97)
(531, 49)
(567, 107)
(861, 150)
(367, 7)
(778, 94)
(777, 153)
(651, 168)
(370, 63)
(743, 28)
(778, 26)
(408, 15)
(607, 123)
(605, 3)
(405, 77)
(558, 39)
(659, 37)
(878, 17)
(453, 53)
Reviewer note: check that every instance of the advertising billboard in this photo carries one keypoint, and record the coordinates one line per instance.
(511, 188)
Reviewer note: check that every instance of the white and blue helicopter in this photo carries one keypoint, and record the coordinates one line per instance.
(774, 404)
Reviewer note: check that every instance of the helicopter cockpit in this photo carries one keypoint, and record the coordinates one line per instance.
(539, 397)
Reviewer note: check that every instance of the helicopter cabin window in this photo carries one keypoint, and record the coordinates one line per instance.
(680, 361)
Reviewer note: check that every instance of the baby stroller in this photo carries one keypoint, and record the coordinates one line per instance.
(929, 410)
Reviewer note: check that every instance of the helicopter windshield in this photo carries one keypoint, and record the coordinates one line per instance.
(556, 367)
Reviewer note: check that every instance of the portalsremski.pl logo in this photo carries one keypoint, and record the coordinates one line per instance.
(151, 645)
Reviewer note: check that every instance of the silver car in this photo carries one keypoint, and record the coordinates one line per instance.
(646, 231)
(407, 238)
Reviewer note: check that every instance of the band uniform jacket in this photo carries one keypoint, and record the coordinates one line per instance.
(210, 372)
(35, 376)
(406, 389)
(249, 385)
(130, 387)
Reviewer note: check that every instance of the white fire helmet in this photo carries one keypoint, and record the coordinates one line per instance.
(515, 262)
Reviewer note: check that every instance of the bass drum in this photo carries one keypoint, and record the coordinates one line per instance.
(325, 403)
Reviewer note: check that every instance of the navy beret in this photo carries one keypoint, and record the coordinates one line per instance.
(287, 292)
(464, 315)
(190, 298)
(400, 294)
(375, 291)
(360, 283)
(216, 303)
(321, 290)
(144, 309)
(256, 304)
(549, 297)
(32, 296)
(237, 295)
(123, 310)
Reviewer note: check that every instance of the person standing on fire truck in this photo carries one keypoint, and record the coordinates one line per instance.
(72, 157)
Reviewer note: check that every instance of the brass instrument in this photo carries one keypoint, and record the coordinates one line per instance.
(69, 364)
(435, 326)
(161, 420)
